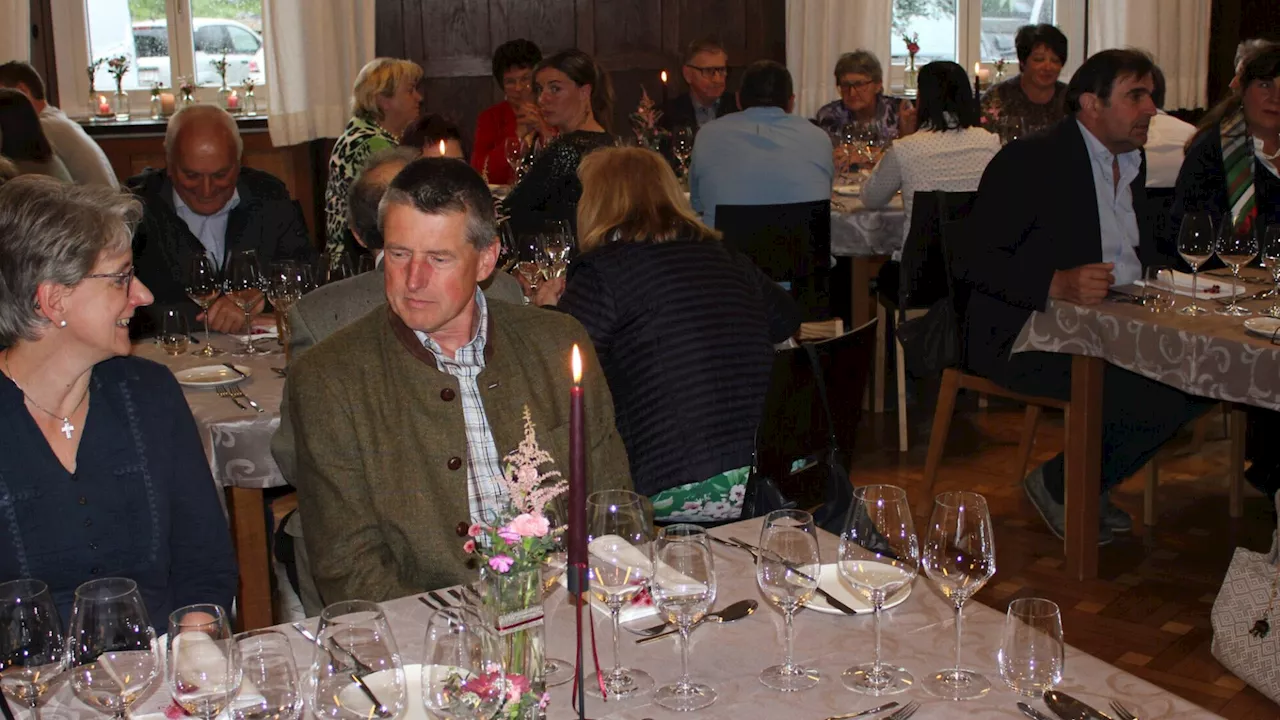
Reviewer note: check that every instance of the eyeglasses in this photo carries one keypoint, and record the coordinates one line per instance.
(517, 82)
(857, 85)
(710, 73)
(123, 279)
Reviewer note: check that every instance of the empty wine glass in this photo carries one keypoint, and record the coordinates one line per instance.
(1271, 260)
(112, 652)
(879, 555)
(202, 286)
(682, 148)
(244, 287)
(618, 534)
(1031, 656)
(683, 587)
(174, 334)
(204, 662)
(283, 291)
(270, 689)
(531, 260)
(1236, 246)
(32, 646)
(514, 151)
(462, 676)
(959, 557)
(356, 670)
(787, 570)
(1195, 245)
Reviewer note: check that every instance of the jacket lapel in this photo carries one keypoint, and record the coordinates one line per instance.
(1084, 207)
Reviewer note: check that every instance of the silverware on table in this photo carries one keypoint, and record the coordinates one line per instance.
(423, 599)
(378, 708)
(1032, 713)
(732, 613)
(1069, 708)
(225, 392)
(832, 600)
(235, 370)
(282, 372)
(862, 713)
(238, 394)
(903, 712)
(1122, 712)
(304, 632)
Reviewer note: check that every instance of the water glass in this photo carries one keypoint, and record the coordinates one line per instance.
(204, 663)
(32, 645)
(356, 661)
(619, 528)
(1031, 655)
(113, 657)
(1195, 246)
(462, 676)
(270, 690)
(174, 335)
(683, 589)
(787, 569)
(1158, 293)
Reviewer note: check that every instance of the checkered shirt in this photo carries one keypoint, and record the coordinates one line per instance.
(486, 495)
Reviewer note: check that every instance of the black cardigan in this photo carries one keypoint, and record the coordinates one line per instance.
(1202, 187)
(551, 189)
(685, 332)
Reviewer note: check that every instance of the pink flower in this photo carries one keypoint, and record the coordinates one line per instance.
(508, 535)
(474, 531)
(501, 563)
(544, 701)
(530, 525)
(469, 547)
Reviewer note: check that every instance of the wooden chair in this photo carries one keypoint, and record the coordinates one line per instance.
(1236, 426)
(790, 242)
(908, 288)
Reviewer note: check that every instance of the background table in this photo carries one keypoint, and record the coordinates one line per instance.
(918, 635)
(868, 238)
(238, 444)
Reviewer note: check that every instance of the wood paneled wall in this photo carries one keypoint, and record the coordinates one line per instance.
(634, 40)
(1231, 22)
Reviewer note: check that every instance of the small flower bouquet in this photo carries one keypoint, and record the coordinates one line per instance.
(92, 69)
(187, 91)
(220, 66)
(118, 66)
(912, 42)
(249, 84)
(644, 122)
(519, 702)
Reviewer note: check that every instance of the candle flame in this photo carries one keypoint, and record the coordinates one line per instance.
(102, 99)
(977, 67)
(576, 362)
(664, 77)
(442, 148)
(233, 93)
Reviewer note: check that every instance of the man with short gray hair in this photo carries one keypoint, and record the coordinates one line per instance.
(204, 203)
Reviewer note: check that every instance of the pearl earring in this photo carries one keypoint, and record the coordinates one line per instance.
(62, 324)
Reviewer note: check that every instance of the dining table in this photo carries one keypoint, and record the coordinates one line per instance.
(918, 634)
(237, 442)
(1210, 355)
(868, 238)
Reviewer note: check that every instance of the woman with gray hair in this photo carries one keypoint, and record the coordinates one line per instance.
(860, 81)
(101, 466)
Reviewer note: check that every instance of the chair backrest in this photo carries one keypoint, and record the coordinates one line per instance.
(790, 242)
(953, 237)
(923, 273)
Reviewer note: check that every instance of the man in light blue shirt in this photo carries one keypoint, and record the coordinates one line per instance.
(1112, 175)
(210, 230)
(763, 155)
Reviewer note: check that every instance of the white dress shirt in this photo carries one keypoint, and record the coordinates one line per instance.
(1116, 218)
(1165, 142)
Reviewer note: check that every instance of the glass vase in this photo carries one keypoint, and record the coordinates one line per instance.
(188, 98)
(909, 76)
(513, 606)
(156, 108)
(96, 102)
(224, 99)
(121, 103)
(250, 103)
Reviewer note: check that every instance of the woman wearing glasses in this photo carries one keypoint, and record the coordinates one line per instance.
(515, 118)
(860, 80)
(101, 468)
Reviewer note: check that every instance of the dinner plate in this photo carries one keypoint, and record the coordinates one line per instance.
(381, 683)
(847, 190)
(831, 581)
(211, 375)
(1264, 326)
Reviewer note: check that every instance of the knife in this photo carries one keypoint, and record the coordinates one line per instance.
(1069, 708)
(831, 599)
(1032, 713)
(234, 369)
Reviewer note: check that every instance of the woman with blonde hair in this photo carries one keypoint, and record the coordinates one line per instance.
(684, 327)
(384, 101)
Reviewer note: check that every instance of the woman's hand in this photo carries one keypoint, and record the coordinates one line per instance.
(908, 118)
(548, 292)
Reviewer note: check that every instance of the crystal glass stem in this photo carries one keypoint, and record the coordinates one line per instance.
(959, 609)
(787, 614)
(685, 682)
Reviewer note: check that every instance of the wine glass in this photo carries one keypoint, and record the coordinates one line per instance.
(283, 290)
(1031, 654)
(1195, 245)
(556, 245)
(340, 270)
(959, 557)
(513, 148)
(682, 148)
(530, 263)
(204, 663)
(174, 334)
(1271, 260)
(244, 287)
(555, 671)
(32, 646)
(462, 676)
(879, 555)
(356, 670)
(1236, 246)
(112, 653)
(787, 570)
(848, 143)
(266, 659)
(683, 587)
(202, 286)
(618, 532)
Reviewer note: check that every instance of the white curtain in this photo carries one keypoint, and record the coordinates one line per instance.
(1175, 32)
(314, 52)
(15, 32)
(819, 31)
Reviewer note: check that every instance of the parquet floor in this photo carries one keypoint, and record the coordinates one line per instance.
(1148, 612)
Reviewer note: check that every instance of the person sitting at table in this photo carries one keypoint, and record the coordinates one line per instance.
(1247, 124)
(1022, 247)
(762, 155)
(23, 141)
(427, 132)
(706, 72)
(860, 82)
(949, 152)
(204, 202)
(400, 418)
(1035, 95)
(84, 159)
(687, 356)
(384, 100)
(575, 96)
(516, 117)
(1244, 53)
(101, 466)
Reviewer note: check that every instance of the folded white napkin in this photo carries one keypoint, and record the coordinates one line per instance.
(1207, 287)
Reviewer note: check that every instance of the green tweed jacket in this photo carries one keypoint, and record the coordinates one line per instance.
(381, 448)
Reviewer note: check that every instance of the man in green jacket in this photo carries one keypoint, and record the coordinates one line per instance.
(401, 418)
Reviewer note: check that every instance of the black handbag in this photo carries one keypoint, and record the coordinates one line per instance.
(931, 343)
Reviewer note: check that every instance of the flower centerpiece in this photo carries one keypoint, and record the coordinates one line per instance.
(118, 66)
(225, 95)
(157, 109)
(511, 549)
(187, 89)
(909, 75)
(999, 76)
(250, 101)
(644, 122)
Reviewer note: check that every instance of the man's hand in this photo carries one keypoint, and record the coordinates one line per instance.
(1084, 285)
(225, 316)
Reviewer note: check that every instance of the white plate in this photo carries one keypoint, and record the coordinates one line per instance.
(831, 581)
(211, 375)
(847, 190)
(1264, 326)
(381, 682)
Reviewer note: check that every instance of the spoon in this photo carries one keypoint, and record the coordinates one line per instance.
(736, 611)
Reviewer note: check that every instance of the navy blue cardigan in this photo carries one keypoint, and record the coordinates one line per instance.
(141, 504)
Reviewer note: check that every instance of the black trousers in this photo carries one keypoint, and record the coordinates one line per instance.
(1262, 448)
(1139, 415)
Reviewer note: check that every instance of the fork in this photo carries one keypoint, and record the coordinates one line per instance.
(903, 712)
(238, 394)
(224, 392)
(1122, 712)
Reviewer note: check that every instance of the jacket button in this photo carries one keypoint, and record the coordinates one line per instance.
(94, 571)
(84, 500)
(462, 529)
(447, 394)
(88, 522)
(455, 462)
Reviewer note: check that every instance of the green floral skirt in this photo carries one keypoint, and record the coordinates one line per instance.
(717, 498)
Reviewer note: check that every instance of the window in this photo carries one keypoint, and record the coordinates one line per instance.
(165, 41)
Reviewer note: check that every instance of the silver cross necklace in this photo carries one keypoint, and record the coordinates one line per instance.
(67, 428)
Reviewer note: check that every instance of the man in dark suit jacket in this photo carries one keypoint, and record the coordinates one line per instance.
(1071, 239)
(204, 202)
(705, 71)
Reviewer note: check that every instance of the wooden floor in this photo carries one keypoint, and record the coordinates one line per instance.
(1148, 612)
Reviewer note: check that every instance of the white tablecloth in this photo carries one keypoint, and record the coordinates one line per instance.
(859, 232)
